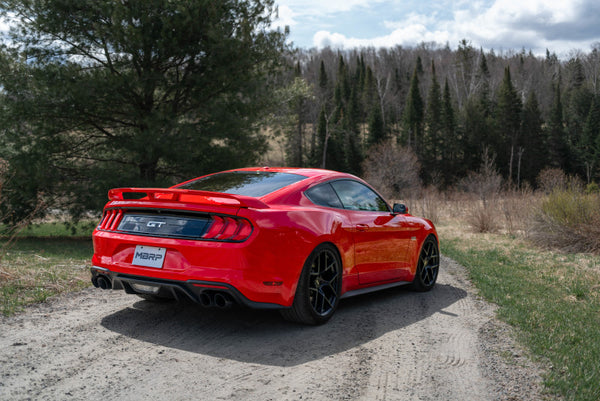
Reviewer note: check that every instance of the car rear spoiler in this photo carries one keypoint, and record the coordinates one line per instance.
(184, 196)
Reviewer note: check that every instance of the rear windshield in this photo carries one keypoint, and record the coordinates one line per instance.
(247, 183)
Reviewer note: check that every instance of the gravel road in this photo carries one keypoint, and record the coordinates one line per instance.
(391, 345)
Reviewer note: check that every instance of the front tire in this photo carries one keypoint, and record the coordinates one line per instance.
(427, 266)
(318, 291)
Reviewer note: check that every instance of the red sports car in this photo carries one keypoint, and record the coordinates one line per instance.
(294, 239)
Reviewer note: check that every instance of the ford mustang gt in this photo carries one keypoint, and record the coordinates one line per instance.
(294, 239)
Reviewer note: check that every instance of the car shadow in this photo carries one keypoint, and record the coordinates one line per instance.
(259, 336)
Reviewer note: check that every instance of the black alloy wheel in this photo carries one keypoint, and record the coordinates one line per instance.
(323, 284)
(318, 291)
(428, 265)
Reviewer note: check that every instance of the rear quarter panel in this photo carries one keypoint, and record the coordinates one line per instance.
(287, 235)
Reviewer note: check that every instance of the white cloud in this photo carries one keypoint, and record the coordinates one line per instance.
(286, 17)
(502, 24)
(321, 8)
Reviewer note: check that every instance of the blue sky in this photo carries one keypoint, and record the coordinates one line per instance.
(559, 25)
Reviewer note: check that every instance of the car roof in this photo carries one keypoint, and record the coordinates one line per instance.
(307, 172)
(290, 193)
(282, 195)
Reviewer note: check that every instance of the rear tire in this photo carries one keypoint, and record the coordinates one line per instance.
(318, 291)
(427, 266)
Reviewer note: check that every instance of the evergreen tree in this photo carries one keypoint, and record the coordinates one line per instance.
(478, 122)
(475, 134)
(433, 128)
(557, 147)
(376, 127)
(484, 91)
(508, 121)
(533, 141)
(323, 79)
(352, 144)
(578, 100)
(344, 151)
(122, 93)
(590, 146)
(370, 96)
(450, 144)
(413, 114)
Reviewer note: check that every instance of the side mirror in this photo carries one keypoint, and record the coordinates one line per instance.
(400, 208)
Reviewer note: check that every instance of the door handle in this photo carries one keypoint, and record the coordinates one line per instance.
(362, 227)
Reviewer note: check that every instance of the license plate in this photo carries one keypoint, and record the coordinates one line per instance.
(149, 256)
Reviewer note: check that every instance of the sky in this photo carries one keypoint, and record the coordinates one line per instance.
(558, 25)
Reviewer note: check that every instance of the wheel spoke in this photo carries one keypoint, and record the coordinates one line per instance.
(323, 282)
(429, 262)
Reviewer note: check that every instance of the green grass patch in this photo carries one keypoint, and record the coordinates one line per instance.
(33, 269)
(57, 229)
(553, 298)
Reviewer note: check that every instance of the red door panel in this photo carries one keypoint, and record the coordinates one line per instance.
(381, 242)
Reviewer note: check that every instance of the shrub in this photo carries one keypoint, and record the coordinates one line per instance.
(592, 188)
(568, 220)
(486, 183)
(554, 179)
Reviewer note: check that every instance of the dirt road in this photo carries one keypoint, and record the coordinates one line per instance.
(392, 345)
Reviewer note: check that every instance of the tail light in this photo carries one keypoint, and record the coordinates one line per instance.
(211, 227)
(111, 219)
(228, 229)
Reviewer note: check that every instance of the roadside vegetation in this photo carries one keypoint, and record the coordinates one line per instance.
(536, 256)
(41, 261)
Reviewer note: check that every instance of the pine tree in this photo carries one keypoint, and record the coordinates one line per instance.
(590, 149)
(508, 120)
(449, 142)
(577, 103)
(323, 79)
(557, 147)
(124, 93)
(433, 128)
(533, 141)
(484, 91)
(376, 127)
(413, 114)
(352, 144)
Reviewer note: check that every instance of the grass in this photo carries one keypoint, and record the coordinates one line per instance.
(553, 298)
(46, 260)
(58, 229)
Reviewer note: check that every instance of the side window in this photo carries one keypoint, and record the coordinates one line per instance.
(356, 196)
(324, 195)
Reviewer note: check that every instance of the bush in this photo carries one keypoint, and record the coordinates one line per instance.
(568, 220)
(554, 179)
(486, 183)
(592, 188)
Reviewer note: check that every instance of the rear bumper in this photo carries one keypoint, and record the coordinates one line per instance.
(195, 290)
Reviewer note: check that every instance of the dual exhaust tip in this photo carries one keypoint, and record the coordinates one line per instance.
(102, 282)
(218, 299)
(206, 298)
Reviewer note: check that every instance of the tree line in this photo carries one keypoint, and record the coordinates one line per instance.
(97, 94)
(449, 107)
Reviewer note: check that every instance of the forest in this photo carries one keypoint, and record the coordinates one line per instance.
(450, 107)
(103, 94)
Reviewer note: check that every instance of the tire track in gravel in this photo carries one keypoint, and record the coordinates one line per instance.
(391, 345)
